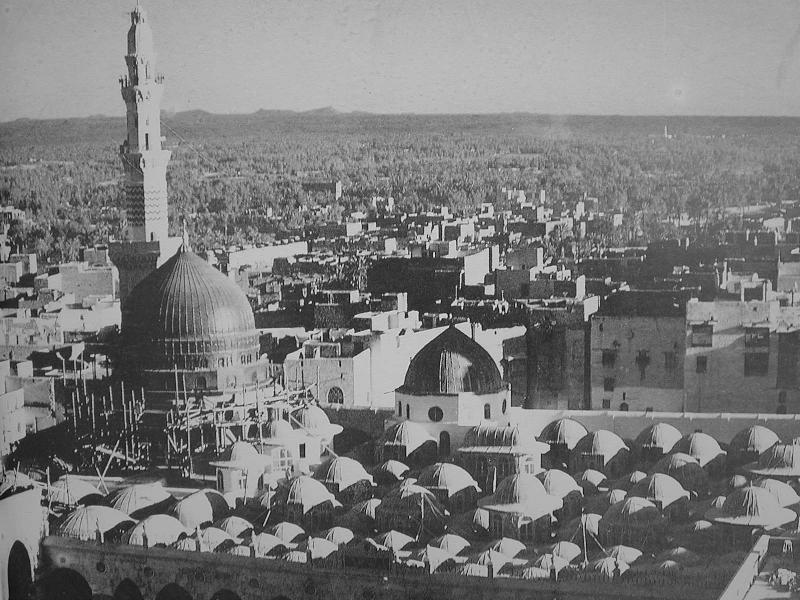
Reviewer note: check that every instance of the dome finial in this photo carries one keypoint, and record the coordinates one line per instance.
(185, 238)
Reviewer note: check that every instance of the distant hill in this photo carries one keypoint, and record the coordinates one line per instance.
(200, 124)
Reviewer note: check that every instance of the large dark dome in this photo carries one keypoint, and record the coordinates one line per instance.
(452, 363)
(188, 315)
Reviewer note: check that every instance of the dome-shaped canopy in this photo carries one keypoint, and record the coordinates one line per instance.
(781, 460)
(686, 470)
(507, 546)
(200, 507)
(754, 439)
(782, 491)
(343, 472)
(558, 483)
(700, 446)
(450, 364)
(563, 432)
(430, 557)
(660, 488)
(629, 480)
(287, 532)
(752, 506)
(313, 420)
(626, 554)
(338, 535)
(491, 557)
(319, 547)
(600, 443)
(549, 562)
(137, 498)
(265, 544)
(159, 529)
(569, 551)
(394, 540)
(609, 567)
(522, 488)
(211, 538)
(591, 481)
(446, 476)
(70, 490)
(12, 481)
(235, 526)
(632, 510)
(187, 314)
(85, 521)
(661, 436)
(390, 471)
(450, 542)
(406, 433)
(308, 493)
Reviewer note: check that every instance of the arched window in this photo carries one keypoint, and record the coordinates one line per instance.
(435, 414)
(200, 383)
(505, 406)
(335, 395)
(623, 406)
(399, 409)
(487, 411)
(408, 411)
(444, 444)
(19, 572)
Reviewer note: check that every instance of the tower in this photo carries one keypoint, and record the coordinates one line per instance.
(144, 162)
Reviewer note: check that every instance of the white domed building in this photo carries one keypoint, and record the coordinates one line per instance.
(452, 385)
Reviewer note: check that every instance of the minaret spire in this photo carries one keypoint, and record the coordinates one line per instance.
(144, 160)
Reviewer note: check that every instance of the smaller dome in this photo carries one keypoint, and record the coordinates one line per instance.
(319, 547)
(11, 481)
(408, 434)
(661, 436)
(782, 491)
(139, 497)
(754, 439)
(235, 526)
(84, 522)
(700, 446)
(243, 452)
(609, 567)
(452, 363)
(685, 470)
(507, 546)
(394, 540)
(781, 460)
(308, 493)
(600, 443)
(454, 544)
(342, 472)
(69, 490)
(266, 544)
(549, 562)
(390, 471)
(313, 420)
(631, 479)
(626, 554)
(211, 538)
(339, 535)
(447, 476)
(569, 551)
(558, 483)
(752, 506)
(287, 532)
(522, 488)
(632, 510)
(200, 507)
(159, 529)
(660, 488)
(491, 557)
(278, 431)
(591, 481)
(563, 432)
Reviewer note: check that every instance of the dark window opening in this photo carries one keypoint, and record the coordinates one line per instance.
(702, 364)
(608, 384)
(609, 358)
(702, 336)
(756, 364)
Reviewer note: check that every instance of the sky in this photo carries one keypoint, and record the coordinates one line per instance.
(62, 58)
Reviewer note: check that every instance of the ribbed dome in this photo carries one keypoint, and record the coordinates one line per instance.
(159, 529)
(662, 436)
(186, 314)
(755, 438)
(308, 493)
(782, 460)
(313, 419)
(450, 364)
(278, 431)
(563, 432)
(634, 509)
(600, 443)
(343, 472)
(408, 434)
(558, 483)
(522, 488)
(85, 521)
(446, 476)
(660, 487)
(753, 506)
(782, 491)
(139, 497)
(700, 446)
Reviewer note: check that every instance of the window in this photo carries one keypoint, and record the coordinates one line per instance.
(606, 403)
(487, 411)
(504, 407)
(608, 384)
(200, 383)
(147, 141)
(609, 358)
(702, 336)
(444, 444)
(335, 395)
(399, 409)
(624, 406)
(408, 411)
(756, 364)
(756, 337)
(435, 414)
(702, 364)
(782, 397)
(670, 362)
(781, 410)
(302, 450)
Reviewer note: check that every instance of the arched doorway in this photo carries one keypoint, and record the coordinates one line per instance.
(225, 595)
(64, 584)
(19, 572)
(127, 590)
(172, 591)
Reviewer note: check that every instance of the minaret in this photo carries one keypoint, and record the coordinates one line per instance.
(144, 162)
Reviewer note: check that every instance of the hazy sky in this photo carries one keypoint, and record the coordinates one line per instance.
(62, 58)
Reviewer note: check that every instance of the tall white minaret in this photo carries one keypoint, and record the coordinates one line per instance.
(145, 164)
(144, 161)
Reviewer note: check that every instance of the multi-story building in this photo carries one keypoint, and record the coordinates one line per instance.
(638, 347)
(742, 357)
